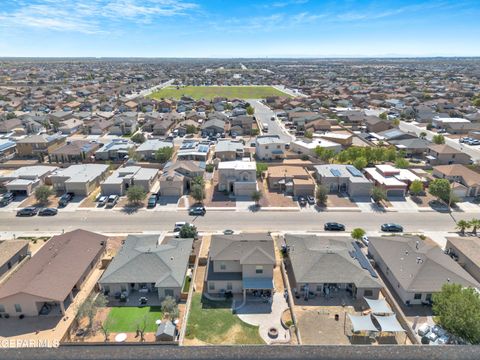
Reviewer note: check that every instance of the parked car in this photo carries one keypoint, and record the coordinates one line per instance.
(311, 200)
(179, 225)
(47, 212)
(152, 201)
(228, 232)
(365, 240)
(197, 211)
(302, 201)
(390, 227)
(112, 201)
(102, 200)
(333, 226)
(7, 198)
(28, 211)
(65, 199)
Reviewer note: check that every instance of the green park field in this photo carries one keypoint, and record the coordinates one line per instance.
(210, 92)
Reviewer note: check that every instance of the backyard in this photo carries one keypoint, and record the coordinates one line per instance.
(210, 92)
(126, 318)
(212, 322)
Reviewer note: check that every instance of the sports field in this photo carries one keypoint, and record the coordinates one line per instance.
(210, 92)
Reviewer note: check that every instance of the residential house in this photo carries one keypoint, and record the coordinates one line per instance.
(291, 180)
(325, 265)
(238, 177)
(12, 252)
(124, 177)
(307, 147)
(9, 125)
(115, 150)
(148, 265)
(240, 264)
(74, 152)
(270, 147)
(338, 178)
(415, 268)
(124, 124)
(148, 149)
(227, 150)
(395, 182)
(80, 180)
(466, 182)
(213, 127)
(8, 149)
(466, 252)
(376, 125)
(193, 150)
(39, 145)
(414, 147)
(442, 154)
(48, 282)
(177, 177)
(242, 125)
(25, 180)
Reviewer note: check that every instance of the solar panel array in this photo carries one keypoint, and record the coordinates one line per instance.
(335, 172)
(363, 261)
(354, 171)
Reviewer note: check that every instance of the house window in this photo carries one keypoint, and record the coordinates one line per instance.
(417, 296)
(319, 287)
(229, 286)
(428, 297)
(18, 308)
(211, 286)
(2, 308)
(223, 266)
(259, 269)
(368, 293)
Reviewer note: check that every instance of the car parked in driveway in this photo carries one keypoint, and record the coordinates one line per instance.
(112, 201)
(311, 200)
(179, 224)
(334, 226)
(47, 212)
(152, 201)
(302, 201)
(102, 200)
(390, 227)
(197, 211)
(28, 211)
(7, 198)
(65, 199)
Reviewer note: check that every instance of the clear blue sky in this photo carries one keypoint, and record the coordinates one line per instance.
(239, 28)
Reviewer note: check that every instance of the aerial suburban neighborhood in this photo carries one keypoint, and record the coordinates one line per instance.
(159, 205)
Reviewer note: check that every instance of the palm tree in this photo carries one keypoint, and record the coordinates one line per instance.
(462, 225)
(474, 224)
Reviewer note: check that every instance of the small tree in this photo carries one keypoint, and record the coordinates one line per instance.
(438, 139)
(142, 327)
(105, 327)
(309, 134)
(164, 154)
(360, 163)
(42, 193)
(257, 196)
(416, 187)
(440, 188)
(474, 224)
(321, 195)
(402, 163)
(133, 155)
(457, 309)
(170, 307)
(191, 129)
(462, 225)
(138, 138)
(383, 116)
(188, 232)
(136, 194)
(261, 168)
(198, 192)
(357, 233)
(423, 135)
(255, 132)
(250, 110)
(378, 194)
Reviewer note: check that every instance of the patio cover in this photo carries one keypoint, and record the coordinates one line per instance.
(362, 323)
(379, 306)
(389, 323)
(257, 283)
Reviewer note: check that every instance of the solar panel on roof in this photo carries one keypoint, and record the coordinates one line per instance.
(354, 171)
(335, 172)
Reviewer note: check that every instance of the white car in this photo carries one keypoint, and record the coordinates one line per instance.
(365, 240)
(423, 329)
(179, 225)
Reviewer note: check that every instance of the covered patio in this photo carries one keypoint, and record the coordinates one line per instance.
(257, 288)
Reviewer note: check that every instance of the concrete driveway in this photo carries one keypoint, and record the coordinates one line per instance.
(403, 204)
(266, 316)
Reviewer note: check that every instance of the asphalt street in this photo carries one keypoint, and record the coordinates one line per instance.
(264, 114)
(120, 222)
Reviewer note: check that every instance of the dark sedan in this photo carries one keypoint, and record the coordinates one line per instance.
(197, 211)
(28, 211)
(333, 226)
(47, 212)
(392, 228)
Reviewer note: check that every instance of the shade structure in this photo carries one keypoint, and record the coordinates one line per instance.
(379, 306)
(389, 323)
(362, 323)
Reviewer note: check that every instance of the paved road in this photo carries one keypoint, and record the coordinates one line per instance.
(264, 114)
(474, 152)
(150, 90)
(117, 221)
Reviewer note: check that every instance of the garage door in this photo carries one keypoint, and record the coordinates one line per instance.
(395, 193)
(170, 191)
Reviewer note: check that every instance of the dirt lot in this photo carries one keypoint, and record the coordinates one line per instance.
(215, 197)
(340, 201)
(275, 199)
(32, 201)
(423, 201)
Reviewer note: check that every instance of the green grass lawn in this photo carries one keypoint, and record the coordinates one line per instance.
(125, 319)
(210, 92)
(213, 322)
